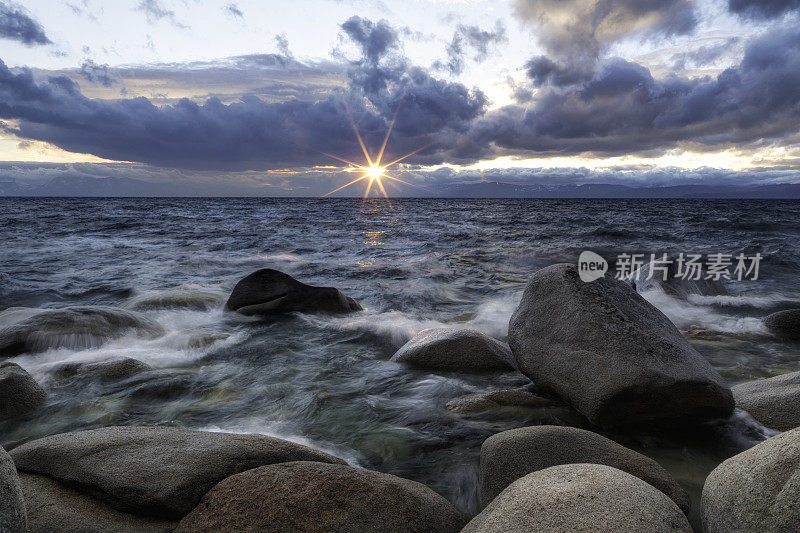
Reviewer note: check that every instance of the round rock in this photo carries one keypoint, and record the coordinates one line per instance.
(580, 498)
(455, 349)
(775, 402)
(784, 324)
(317, 497)
(756, 490)
(19, 392)
(512, 454)
(112, 370)
(153, 471)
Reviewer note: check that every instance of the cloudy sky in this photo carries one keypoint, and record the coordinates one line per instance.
(248, 97)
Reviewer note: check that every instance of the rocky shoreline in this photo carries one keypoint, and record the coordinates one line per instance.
(597, 351)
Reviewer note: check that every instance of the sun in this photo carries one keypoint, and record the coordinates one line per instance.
(373, 171)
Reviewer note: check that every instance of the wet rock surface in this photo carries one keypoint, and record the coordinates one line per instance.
(455, 349)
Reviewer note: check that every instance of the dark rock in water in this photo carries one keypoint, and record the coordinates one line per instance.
(19, 392)
(153, 471)
(113, 370)
(675, 286)
(756, 490)
(56, 507)
(37, 330)
(774, 402)
(784, 324)
(580, 497)
(181, 298)
(612, 355)
(12, 502)
(455, 349)
(270, 292)
(325, 498)
(478, 403)
(512, 454)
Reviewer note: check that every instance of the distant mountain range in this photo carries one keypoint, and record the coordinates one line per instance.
(82, 186)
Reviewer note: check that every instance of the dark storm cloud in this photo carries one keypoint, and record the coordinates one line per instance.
(763, 9)
(233, 10)
(17, 25)
(472, 38)
(576, 32)
(250, 133)
(94, 73)
(623, 109)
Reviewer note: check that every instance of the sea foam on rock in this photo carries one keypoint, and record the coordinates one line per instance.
(580, 497)
(455, 349)
(774, 402)
(12, 502)
(784, 324)
(609, 353)
(36, 330)
(756, 490)
(318, 497)
(512, 454)
(271, 292)
(153, 471)
(19, 392)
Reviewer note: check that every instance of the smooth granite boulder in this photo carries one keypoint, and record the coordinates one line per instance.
(580, 498)
(512, 454)
(271, 292)
(325, 498)
(153, 471)
(775, 402)
(25, 330)
(54, 507)
(784, 324)
(455, 349)
(111, 370)
(12, 502)
(497, 399)
(612, 355)
(756, 490)
(19, 392)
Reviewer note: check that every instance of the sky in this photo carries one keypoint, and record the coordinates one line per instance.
(263, 97)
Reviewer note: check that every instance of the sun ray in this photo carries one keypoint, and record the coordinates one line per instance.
(358, 136)
(346, 185)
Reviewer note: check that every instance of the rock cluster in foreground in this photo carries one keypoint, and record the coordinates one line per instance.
(609, 353)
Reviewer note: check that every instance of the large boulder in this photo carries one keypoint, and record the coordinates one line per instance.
(580, 498)
(455, 349)
(325, 498)
(270, 292)
(19, 392)
(36, 330)
(512, 454)
(12, 502)
(611, 354)
(104, 371)
(756, 490)
(784, 324)
(153, 471)
(56, 507)
(775, 402)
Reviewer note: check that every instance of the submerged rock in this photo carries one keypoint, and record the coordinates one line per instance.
(317, 497)
(756, 490)
(12, 502)
(676, 286)
(56, 507)
(610, 354)
(19, 392)
(512, 454)
(784, 324)
(271, 292)
(455, 349)
(580, 497)
(153, 471)
(479, 403)
(37, 330)
(775, 402)
(176, 298)
(113, 370)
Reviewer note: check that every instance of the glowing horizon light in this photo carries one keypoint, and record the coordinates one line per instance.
(373, 171)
